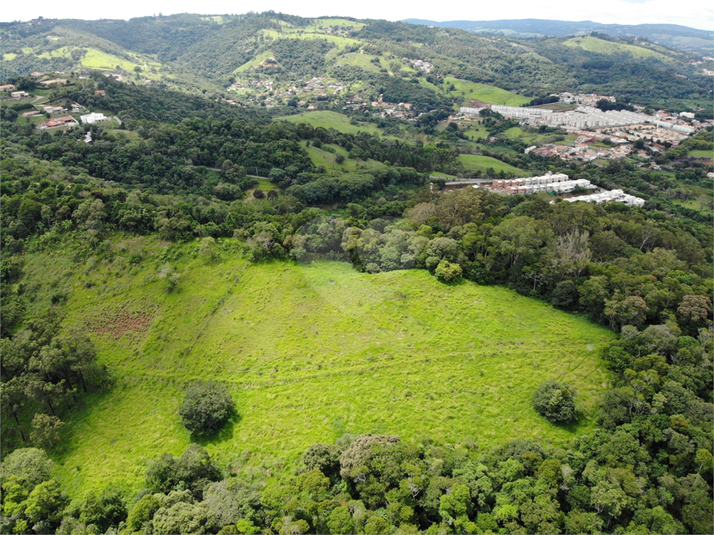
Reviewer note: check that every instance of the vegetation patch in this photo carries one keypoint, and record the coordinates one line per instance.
(255, 62)
(473, 162)
(277, 340)
(125, 320)
(600, 46)
(332, 22)
(468, 91)
(363, 61)
(341, 42)
(330, 119)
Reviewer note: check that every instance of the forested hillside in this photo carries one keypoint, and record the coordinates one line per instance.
(248, 287)
(210, 53)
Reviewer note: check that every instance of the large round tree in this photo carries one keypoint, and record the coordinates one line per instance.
(555, 401)
(206, 407)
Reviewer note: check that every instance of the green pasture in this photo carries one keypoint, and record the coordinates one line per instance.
(291, 33)
(63, 52)
(257, 60)
(9, 57)
(266, 185)
(474, 133)
(472, 162)
(218, 19)
(600, 46)
(489, 94)
(309, 352)
(337, 22)
(362, 61)
(330, 119)
(532, 138)
(97, 59)
(701, 153)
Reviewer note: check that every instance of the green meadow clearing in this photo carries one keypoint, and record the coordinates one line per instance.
(489, 94)
(474, 162)
(593, 44)
(309, 352)
(330, 119)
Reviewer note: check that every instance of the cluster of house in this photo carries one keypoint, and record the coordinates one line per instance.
(619, 129)
(58, 122)
(419, 64)
(559, 183)
(556, 183)
(616, 195)
(591, 117)
(10, 89)
(69, 121)
(583, 149)
(586, 99)
(315, 89)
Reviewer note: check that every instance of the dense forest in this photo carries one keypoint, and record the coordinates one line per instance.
(189, 168)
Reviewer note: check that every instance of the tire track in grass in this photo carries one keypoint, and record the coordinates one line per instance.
(212, 313)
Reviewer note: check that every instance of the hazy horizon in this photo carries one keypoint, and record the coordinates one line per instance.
(692, 13)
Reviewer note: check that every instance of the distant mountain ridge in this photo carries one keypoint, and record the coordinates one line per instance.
(672, 35)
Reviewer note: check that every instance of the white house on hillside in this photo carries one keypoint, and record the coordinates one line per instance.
(93, 118)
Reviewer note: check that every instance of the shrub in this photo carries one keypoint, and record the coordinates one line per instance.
(206, 407)
(448, 271)
(555, 401)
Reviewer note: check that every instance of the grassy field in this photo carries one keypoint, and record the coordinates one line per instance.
(701, 154)
(330, 119)
(63, 52)
(475, 133)
(474, 162)
(96, 59)
(340, 42)
(489, 94)
(600, 46)
(362, 61)
(257, 60)
(532, 138)
(337, 22)
(327, 159)
(9, 57)
(309, 352)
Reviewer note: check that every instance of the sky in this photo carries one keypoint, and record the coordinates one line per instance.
(693, 13)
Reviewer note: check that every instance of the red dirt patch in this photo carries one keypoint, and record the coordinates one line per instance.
(123, 321)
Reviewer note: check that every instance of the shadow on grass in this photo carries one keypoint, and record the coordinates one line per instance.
(220, 435)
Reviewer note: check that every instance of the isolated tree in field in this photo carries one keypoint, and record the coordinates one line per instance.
(206, 407)
(207, 248)
(555, 401)
(169, 275)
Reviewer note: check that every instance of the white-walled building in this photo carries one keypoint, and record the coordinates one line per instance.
(94, 118)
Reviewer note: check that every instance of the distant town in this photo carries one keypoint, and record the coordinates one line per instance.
(600, 134)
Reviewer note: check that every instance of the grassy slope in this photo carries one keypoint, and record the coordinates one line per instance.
(309, 352)
(340, 42)
(593, 44)
(257, 60)
(467, 91)
(362, 61)
(330, 119)
(474, 162)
